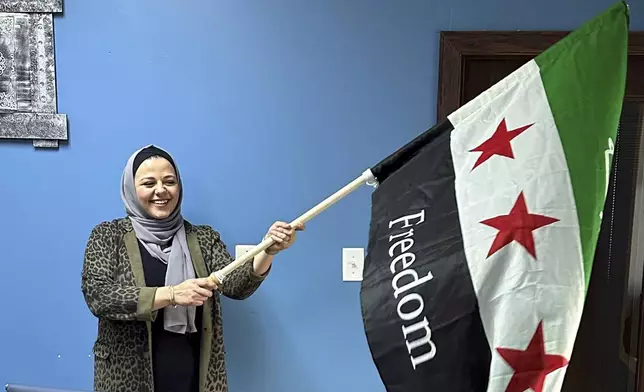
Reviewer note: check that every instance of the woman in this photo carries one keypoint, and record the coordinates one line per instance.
(145, 277)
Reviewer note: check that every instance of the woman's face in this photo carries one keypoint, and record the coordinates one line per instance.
(157, 187)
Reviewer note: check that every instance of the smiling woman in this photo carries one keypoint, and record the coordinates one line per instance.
(157, 187)
(145, 277)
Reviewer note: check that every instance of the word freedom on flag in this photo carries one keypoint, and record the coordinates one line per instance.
(403, 260)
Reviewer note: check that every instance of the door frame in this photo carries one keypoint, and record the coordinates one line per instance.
(458, 47)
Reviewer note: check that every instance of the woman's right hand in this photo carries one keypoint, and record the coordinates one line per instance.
(193, 292)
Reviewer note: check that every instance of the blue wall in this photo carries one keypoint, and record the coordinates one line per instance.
(267, 109)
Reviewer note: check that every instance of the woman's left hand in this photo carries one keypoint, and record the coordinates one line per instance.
(283, 234)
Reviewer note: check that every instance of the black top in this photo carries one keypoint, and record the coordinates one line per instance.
(175, 357)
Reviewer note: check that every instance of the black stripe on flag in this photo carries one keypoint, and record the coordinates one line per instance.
(419, 308)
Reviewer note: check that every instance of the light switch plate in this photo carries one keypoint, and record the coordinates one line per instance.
(352, 264)
(241, 249)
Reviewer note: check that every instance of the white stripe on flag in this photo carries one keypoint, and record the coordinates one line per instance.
(516, 291)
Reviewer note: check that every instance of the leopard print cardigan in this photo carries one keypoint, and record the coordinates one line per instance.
(113, 286)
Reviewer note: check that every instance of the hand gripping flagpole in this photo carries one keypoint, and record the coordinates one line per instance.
(367, 177)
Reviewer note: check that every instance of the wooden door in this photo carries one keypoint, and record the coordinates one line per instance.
(611, 334)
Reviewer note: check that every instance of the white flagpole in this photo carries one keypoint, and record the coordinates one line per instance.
(367, 177)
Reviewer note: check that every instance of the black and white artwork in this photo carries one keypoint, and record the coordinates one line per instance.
(42, 6)
(28, 108)
(27, 79)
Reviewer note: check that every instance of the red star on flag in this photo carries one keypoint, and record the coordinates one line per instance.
(517, 226)
(532, 365)
(498, 143)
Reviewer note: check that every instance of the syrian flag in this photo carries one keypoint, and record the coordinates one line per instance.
(484, 228)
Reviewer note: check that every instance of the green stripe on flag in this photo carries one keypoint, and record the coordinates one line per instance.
(584, 76)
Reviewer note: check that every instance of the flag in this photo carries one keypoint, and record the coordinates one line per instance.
(484, 228)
